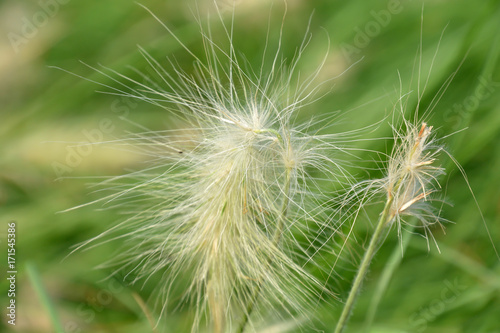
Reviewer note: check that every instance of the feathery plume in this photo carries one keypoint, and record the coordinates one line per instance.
(217, 210)
(412, 176)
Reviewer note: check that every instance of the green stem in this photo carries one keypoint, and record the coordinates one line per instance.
(37, 284)
(385, 218)
(276, 240)
(393, 262)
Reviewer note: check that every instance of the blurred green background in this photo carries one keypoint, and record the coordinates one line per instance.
(46, 111)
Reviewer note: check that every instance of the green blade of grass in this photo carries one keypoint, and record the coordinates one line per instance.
(37, 284)
(386, 276)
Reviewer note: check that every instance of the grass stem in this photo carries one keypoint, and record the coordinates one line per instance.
(44, 297)
(385, 217)
(386, 276)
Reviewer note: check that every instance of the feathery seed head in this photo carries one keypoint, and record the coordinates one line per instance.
(411, 179)
(219, 200)
(412, 173)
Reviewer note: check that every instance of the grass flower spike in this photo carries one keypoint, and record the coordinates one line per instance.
(411, 178)
(216, 211)
(215, 204)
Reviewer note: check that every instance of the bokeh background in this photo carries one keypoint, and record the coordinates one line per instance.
(46, 112)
